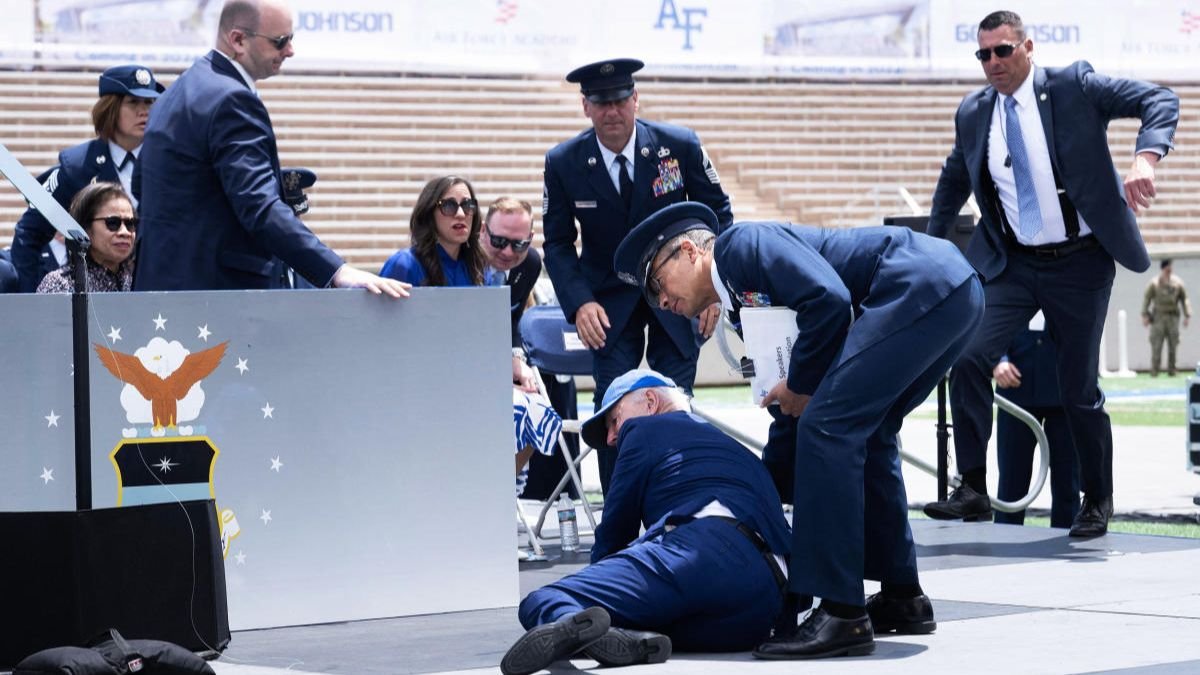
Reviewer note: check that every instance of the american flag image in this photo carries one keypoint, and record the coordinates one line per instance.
(1189, 22)
(506, 10)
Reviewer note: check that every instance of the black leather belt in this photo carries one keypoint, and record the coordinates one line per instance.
(760, 544)
(1060, 250)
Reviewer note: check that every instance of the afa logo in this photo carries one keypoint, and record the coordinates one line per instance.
(686, 19)
(160, 459)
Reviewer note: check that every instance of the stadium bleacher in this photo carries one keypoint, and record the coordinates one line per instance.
(829, 153)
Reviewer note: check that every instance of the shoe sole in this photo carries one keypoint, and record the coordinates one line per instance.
(617, 648)
(856, 650)
(915, 628)
(967, 518)
(552, 642)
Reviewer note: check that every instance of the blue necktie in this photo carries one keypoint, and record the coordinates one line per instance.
(1027, 202)
(625, 183)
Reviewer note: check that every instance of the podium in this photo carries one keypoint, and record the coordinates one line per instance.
(152, 571)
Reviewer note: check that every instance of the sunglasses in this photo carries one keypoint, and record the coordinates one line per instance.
(449, 207)
(653, 286)
(280, 42)
(1001, 51)
(114, 223)
(498, 242)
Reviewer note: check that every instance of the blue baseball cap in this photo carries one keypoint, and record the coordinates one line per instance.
(637, 250)
(130, 80)
(594, 431)
(604, 81)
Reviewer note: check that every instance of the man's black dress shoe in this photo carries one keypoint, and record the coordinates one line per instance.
(545, 644)
(963, 504)
(822, 635)
(1092, 519)
(624, 647)
(906, 616)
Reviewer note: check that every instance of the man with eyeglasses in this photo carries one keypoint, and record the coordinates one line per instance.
(213, 209)
(607, 179)
(881, 313)
(1033, 148)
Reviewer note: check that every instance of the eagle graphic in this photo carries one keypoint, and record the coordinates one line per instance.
(163, 392)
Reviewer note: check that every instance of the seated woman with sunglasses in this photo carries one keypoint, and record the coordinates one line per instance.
(105, 212)
(444, 230)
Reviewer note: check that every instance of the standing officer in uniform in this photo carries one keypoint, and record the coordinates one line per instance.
(608, 179)
(915, 303)
(119, 117)
(707, 575)
(213, 214)
(1027, 376)
(1033, 148)
(1165, 299)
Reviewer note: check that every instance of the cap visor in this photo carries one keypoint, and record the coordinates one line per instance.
(143, 93)
(606, 95)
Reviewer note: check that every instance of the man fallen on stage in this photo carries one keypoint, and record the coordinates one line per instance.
(708, 573)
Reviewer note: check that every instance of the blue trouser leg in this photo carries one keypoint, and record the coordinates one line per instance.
(779, 454)
(1014, 461)
(703, 584)
(624, 353)
(1064, 469)
(847, 436)
(1015, 444)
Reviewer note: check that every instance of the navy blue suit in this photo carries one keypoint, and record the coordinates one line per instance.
(915, 304)
(701, 582)
(578, 187)
(1034, 354)
(212, 209)
(1075, 104)
(77, 166)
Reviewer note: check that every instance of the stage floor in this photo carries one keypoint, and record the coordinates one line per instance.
(1008, 599)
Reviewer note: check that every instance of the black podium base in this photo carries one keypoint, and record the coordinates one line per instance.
(66, 576)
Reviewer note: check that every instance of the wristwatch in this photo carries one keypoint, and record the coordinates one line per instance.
(519, 353)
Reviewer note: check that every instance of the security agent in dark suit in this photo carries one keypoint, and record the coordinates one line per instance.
(213, 215)
(1033, 148)
(915, 304)
(119, 118)
(607, 179)
(707, 575)
(1027, 376)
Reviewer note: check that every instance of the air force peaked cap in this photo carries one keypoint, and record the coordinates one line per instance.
(594, 431)
(295, 180)
(605, 81)
(130, 80)
(637, 250)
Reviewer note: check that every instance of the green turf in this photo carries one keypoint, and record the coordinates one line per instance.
(1150, 527)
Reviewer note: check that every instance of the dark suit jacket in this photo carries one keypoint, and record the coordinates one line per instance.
(672, 465)
(886, 276)
(1035, 356)
(211, 206)
(520, 281)
(77, 166)
(1076, 105)
(578, 188)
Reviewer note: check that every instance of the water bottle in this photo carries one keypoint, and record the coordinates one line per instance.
(568, 526)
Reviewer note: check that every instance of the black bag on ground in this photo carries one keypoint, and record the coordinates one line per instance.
(111, 654)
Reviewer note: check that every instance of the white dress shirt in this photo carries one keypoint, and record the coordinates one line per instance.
(124, 173)
(610, 159)
(1054, 229)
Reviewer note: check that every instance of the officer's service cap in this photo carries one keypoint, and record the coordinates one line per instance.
(594, 431)
(130, 80)
(604, 81)
(295, 180)
(637, 250)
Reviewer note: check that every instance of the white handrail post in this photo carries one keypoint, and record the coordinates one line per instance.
(1123, 346)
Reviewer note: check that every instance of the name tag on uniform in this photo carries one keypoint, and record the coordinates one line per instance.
(585, 205)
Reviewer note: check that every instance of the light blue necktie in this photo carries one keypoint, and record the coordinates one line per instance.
(1027, 202)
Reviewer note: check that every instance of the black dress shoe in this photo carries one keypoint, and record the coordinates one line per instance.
(822, 635)
(1092, 519)
(624, 647)
(963, 504)
(545, 644)
(906, 616)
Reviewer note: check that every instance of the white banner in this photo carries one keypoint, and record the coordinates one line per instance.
(850, 38)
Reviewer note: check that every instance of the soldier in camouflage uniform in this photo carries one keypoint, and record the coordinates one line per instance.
(1165, 299)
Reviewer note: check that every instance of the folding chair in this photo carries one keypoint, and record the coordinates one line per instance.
(552, 345)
